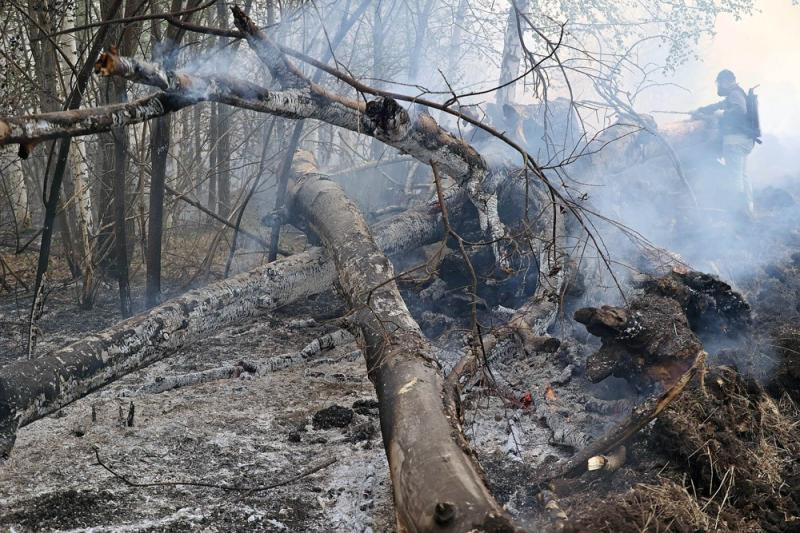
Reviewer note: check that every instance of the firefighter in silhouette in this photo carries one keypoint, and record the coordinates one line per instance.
(739, 131)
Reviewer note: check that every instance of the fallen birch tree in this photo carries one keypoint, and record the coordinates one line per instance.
(437, 484)
(32, 389)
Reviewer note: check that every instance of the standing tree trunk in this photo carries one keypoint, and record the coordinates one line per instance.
(122, 249)
(512, 54)
(197, 152)
(421, 32)
(454, 57)
(159, 147)
(120, 223)
(213, 139)
(159, 150)
(77, 187)
(223, 145)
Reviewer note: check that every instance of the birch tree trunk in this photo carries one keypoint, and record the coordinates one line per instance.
(436, 482)
(78, 180)
(30, 390)
(512, 54)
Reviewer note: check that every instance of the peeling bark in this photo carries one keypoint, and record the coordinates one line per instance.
(436, 482)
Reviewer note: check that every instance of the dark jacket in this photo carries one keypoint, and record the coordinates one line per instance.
(734, 113)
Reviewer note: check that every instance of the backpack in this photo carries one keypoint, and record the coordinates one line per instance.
(753, 121)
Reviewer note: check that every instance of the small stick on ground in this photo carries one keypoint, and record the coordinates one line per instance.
(627, 428)
(232, 488)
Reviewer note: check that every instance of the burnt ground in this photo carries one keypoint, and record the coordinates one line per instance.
(722, 458)
(251, 433)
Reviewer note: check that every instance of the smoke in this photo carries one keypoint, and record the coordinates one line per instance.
(649, 197)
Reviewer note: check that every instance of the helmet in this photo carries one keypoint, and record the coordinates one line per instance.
(726, 76)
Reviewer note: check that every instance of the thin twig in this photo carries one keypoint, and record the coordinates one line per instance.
(234, 488)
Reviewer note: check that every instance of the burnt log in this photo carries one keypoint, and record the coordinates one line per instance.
(657, 336)
(652, 342)
(30, 390)
(436, 482)
(649, 341)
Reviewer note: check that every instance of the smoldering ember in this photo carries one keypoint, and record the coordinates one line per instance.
(399, 265)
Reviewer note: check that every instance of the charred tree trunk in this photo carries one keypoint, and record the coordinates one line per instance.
(159, 150)
(159, 147)
(437, 484)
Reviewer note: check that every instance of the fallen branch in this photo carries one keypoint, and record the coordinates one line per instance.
(259, 367)
(437, 485)
(168, 383)
(33, 129)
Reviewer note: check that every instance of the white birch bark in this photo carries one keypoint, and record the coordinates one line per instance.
(32, 389)
(512, 54)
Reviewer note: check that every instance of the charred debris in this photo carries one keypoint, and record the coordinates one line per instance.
(447, 331)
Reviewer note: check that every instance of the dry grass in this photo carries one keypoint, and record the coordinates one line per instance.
(741, 448)
(667, 506)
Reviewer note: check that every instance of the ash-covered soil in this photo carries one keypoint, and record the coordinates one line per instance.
(261, 430)
(723, 458)
(239, 432)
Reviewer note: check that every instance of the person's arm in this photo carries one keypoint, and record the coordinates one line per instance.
(709, 109)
